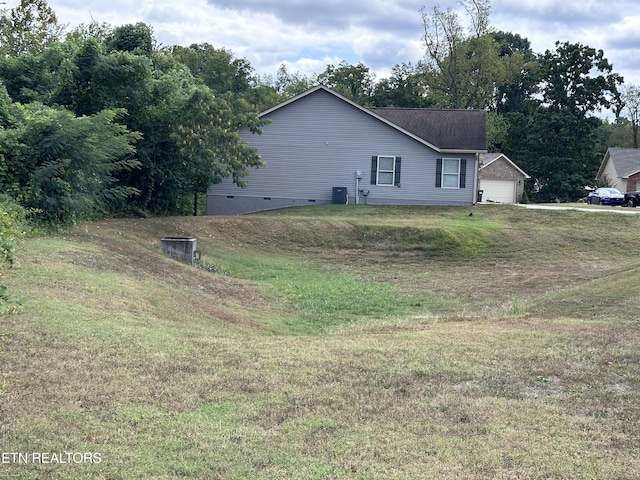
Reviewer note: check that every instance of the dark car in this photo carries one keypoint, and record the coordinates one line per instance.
(606, 196)
(632, 199)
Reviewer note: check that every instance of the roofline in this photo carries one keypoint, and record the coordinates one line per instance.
(607, 156)
(368, 112)
(508, 160)
(457, 151)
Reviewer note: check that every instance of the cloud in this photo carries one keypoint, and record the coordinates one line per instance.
(546, 21)
(382, 51)
(307, 35)
(598, 24)
(326, 15)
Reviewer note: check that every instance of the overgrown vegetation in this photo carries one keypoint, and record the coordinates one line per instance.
(13, 225)
(102, 122)
(315, 354)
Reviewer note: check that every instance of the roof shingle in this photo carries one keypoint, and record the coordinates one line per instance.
(445, 129)
(625, 160)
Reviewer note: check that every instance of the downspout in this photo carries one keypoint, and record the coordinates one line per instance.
(476, 180)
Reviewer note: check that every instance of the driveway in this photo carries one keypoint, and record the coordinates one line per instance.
(632, 211)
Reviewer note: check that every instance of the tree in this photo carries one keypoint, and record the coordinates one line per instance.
(63, 167)
(464, 68)
(267, 91)
(30, 78)
(618, 133)
(28, 28)
(563, 153)
(209, 143)
(515, 103)
(290, 84)
(92, 80)
(405, 88)
(217, 68)
(631, 100)
(497, 132)
(355, 82)
(93, 29)
(578, 78)
(136, 38)
(562, 145)
(108, 122)
(516, 93)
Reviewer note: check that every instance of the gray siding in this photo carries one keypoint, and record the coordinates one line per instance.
(318, 142)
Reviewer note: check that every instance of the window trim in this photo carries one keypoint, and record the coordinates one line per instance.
(376, 170)
(447, 175)
(380, 170)
(461, 175)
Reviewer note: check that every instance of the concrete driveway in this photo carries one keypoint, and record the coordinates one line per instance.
(577, 206)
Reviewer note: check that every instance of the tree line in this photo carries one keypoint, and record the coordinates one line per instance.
(102, 121)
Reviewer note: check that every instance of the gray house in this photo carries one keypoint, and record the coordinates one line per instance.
(620, 168)
(321, 147)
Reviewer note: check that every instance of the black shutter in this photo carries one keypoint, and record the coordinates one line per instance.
(463, 173)
(374, 170)
(438, 173)
(396, 178)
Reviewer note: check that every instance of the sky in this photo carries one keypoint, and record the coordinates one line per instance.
(307, 35)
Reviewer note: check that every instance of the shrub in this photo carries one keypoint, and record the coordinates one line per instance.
(13, 223)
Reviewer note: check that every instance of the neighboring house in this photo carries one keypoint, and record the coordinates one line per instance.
(500, 179)
(321, 147)
(620, 168)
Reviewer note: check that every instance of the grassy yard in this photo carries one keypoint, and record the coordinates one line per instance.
(333, 342)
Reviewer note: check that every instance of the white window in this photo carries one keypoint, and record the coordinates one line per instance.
(386, 170)
(451, 173)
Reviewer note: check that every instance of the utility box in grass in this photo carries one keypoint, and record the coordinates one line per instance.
(182, 249)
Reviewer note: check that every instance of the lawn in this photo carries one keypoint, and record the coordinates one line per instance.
(329, 342)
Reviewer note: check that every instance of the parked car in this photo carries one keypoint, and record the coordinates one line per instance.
(632, 199)
(606, 196)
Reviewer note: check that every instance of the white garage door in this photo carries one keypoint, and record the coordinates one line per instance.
(503, 191)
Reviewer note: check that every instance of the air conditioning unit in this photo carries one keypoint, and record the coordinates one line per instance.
(340, 195)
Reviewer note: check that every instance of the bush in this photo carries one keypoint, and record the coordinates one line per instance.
(13, 223)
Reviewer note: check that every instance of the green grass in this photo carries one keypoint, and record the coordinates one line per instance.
(319, 298)
(329, 342)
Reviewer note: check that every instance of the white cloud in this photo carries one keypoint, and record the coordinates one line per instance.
(307, 35)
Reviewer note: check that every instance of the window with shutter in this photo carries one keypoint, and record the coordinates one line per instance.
(385, 170)
(451, 173)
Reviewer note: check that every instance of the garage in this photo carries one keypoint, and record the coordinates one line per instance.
(501, 180)
(500, 191)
